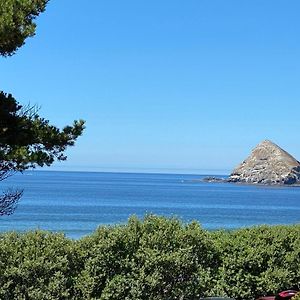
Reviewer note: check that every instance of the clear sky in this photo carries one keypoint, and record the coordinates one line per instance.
(164, 85)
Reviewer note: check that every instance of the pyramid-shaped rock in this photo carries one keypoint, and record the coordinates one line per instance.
(267, 164)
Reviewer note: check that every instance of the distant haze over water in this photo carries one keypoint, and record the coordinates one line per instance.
(77, 202)
(195, 171)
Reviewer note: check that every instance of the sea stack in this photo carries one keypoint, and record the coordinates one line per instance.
(267, 164)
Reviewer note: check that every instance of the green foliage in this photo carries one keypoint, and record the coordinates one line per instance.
(36, 265)
(27, 140)
(17, 22)
(297, 297)
(156, 258)
(258, 261)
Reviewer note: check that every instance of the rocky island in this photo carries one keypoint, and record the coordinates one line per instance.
(267, 164)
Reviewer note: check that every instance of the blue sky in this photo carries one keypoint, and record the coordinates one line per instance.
(179, 86)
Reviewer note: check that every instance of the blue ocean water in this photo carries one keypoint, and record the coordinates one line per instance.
(76, 203)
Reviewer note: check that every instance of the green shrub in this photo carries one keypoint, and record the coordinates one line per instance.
(156, 258)
(258, 261)
(36, 265)
(297, 297)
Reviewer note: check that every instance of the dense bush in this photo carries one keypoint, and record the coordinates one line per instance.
(154, 259)
(297, 297)
(258, 261)
(157, 258)
(36, 265)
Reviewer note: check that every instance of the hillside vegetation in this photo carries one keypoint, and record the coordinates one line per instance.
(154, 258)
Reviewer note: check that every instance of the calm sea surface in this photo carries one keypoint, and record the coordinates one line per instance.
(78, 202)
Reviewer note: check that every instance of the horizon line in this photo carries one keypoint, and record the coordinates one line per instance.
(203, 172)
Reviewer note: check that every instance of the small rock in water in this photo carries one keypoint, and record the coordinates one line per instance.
(214, 179)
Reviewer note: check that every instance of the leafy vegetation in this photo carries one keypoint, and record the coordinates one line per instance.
(154, 259)
(157, 258)
(297, 297)
(26, 139)
(258, 261)
(17, 23)
(36, 265)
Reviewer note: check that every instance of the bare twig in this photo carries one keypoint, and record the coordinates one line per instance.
(9, 201)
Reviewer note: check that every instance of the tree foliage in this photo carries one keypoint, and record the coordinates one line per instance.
(158, 258)
(155, 258)
(26, 139)
(258, 261)
(9, 201)
(297, 296)
(17, 22)
(37, 265)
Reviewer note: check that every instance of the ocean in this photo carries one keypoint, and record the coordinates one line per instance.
(76, 203)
